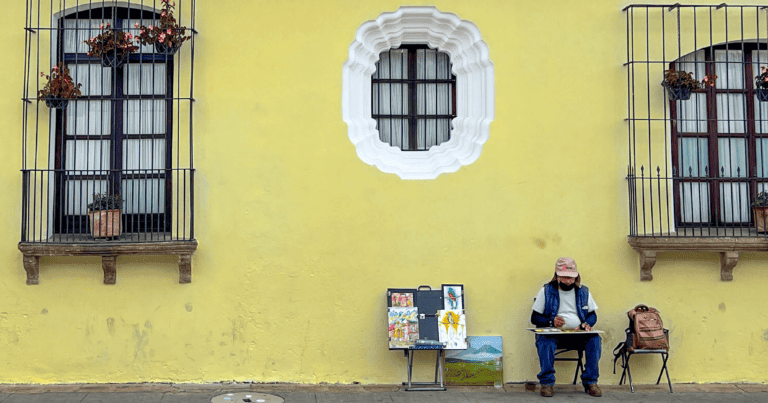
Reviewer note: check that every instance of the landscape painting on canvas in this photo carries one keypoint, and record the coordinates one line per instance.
(478, 365)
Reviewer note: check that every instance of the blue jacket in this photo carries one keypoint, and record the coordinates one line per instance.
(552, 303)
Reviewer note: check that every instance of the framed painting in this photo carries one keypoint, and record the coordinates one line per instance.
(453, 297)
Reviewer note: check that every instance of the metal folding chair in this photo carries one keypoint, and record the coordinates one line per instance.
(579, 359)
(625, 355)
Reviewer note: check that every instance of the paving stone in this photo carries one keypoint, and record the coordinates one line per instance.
(752, 387)
(420, 397)
(297, 397)
(22, 389)
(187, 397)
(45, 397)
(641, 397)
(381, 388)
(63, 388)
(721, 388)
(135, 397)
(353, 397)
(345, 389)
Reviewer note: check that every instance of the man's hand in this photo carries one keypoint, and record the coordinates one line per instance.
(559, 321)
(584, 326)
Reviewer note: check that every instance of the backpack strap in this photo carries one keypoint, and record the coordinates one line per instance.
(618, 352)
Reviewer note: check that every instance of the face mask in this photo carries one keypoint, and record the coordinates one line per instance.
(566, 287)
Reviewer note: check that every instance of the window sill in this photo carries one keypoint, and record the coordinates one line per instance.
(108, 251)
(727, 247)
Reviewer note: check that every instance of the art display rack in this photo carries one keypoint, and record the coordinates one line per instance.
(419, 306)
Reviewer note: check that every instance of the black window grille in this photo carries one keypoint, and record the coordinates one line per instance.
(413, 97)
(121, 137)
(696, 163)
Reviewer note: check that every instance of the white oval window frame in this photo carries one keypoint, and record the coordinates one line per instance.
(474, 90)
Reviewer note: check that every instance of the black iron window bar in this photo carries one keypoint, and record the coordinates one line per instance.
(402, 77)
(672, 194)
(63, 167)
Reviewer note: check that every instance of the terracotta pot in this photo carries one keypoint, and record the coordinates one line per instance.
(105, 223)
(761, 217)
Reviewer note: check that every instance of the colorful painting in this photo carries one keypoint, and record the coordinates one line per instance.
(403, 327)
(402, 299)
(480, 364)
(453, 297)
(452, 329)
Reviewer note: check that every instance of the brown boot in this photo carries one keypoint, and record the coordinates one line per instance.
(547, 390)
(593, 390)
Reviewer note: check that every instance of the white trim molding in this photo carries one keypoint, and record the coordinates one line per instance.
(474, 90)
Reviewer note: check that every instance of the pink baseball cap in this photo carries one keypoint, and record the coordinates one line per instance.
(566, 267)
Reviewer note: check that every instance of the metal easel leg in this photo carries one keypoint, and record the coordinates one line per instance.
(410, 367)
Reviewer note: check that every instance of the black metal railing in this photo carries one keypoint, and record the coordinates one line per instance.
(672, 192)
(155, 205)
(653, 198)
(129, 134)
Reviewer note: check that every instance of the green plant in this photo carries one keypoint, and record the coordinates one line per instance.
(111, 40)
(103, 202)
(168, 33)
(674, 78)
(59, 85)
(761, 200)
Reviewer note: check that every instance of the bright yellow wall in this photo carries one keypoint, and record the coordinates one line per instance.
(299, 239)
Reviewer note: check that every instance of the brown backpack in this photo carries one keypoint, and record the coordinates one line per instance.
(647, 329)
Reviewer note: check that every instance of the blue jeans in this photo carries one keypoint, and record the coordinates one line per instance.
(546, 346)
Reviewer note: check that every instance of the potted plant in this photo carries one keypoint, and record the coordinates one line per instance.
(168, 36)
(105, 215)
(761, 85)
(59, 89)
(760, 211)
(679, 84)
(112, 46)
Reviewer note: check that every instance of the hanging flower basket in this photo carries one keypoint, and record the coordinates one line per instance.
(164, 49)
(677, 93)
(168, 36)
(56, 102)
(111, 46)
(59, 89)
(762, 94)
(114, 59)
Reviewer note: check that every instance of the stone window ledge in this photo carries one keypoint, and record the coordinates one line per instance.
(108, 252)
(727, 247)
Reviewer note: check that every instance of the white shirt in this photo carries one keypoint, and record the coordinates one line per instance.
(567, 309)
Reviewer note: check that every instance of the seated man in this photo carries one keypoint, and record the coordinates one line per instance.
(565, 303)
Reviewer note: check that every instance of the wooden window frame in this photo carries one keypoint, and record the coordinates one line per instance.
(136, 222)
(713, 176)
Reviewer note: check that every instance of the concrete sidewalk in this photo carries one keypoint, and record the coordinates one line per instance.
(295, 393)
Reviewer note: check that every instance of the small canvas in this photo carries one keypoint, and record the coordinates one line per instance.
(452, 329)
(478, 365)
(403, 326)
(453, 297)
(402, 299)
